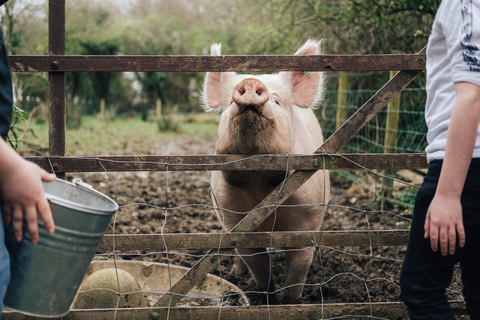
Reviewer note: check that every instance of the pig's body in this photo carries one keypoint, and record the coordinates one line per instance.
(269, 114)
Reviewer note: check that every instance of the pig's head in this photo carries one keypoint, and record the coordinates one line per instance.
(260, 112)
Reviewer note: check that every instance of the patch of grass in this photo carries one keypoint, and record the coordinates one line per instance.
(406, 199)
(201, 118)
(202, 130)
(169, 123)
(120, 136)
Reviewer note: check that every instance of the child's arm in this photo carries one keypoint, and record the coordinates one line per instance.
(444, 217)
(22, 193)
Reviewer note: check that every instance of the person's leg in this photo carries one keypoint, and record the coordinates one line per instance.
(426, 274)
(470, 265)
(470, 262)
(4, 265)
(6, 99)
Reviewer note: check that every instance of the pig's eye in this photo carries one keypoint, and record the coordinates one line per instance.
(277, 101)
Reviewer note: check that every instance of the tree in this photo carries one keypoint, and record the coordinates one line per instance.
(90, 31)
(347, 27)
(22, 22)
(185, 27)
(101, 80)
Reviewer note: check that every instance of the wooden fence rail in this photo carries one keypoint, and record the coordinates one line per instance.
(73, 63)
(230, 162)
(372, 310)
(199, 241)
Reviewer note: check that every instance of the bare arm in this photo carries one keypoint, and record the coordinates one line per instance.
(22, 193)
(444, 217)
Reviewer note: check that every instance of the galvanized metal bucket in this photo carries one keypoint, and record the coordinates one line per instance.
(46, 276)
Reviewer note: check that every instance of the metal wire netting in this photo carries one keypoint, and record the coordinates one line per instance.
(371, 139)
(411, 138)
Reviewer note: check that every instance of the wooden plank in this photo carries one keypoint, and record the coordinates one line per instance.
(341, 115)
(56, 80)
(231, 162)
(391, 127)
(201, 241)
(136, 63)
(376, 310)
(268, 205)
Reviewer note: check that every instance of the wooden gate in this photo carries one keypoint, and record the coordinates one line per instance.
(57, 63)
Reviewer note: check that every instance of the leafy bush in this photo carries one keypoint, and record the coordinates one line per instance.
(168, 122)
(17, 116)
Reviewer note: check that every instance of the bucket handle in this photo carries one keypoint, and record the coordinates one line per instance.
(79, 182)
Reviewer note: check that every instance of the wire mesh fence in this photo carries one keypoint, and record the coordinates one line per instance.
(371, 139)
(165, 203)
(411, 138)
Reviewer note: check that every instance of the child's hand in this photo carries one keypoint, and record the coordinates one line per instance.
(22, 192)
(444, 223)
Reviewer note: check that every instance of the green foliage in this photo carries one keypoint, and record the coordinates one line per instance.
(168, 122)
(371, 139)
(101, 80)
(347, 27)
(405, 199)
(99, 137)
(144, 112)
(73, 114)
(153, 83)
(32, 89)
(18, 115)
(185, 27)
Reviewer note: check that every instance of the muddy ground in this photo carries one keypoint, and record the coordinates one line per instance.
(337, 275)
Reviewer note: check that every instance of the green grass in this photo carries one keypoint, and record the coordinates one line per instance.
(118, 136)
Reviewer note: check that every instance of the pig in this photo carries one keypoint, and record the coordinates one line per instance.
(269, 114)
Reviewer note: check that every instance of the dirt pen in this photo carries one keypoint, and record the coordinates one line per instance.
(369, 241)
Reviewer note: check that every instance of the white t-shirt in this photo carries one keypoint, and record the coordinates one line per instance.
(453, 55)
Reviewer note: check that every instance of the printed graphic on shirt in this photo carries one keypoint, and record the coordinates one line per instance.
(470, 50)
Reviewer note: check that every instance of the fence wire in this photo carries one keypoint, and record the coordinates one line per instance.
(411, 131)
(411, 138)
(171, 202)
(180, 202)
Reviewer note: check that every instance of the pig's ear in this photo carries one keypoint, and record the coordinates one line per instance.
(307, 87)
(214, 95)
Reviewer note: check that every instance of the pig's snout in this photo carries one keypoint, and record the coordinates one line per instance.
(250, 93)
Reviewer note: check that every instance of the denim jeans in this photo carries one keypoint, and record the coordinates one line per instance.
(6, 99)
(426, 274)
(4, 265)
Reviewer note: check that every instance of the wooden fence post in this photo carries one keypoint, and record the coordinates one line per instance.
(391, 135)
(391, 128)
(342, 99)
(102, 108)
(56, 82)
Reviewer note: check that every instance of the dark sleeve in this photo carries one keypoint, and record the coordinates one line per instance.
(6, 93)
